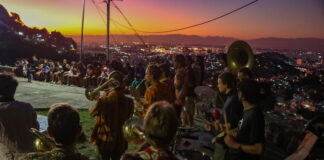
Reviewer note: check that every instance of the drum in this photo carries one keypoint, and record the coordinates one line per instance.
(196, 145)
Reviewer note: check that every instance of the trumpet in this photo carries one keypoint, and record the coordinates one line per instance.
(93, 93)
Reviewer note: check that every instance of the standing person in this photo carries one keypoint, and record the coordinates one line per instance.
(64, 126)
(233, 109)
(16, 118)
(111, 110)
(183, 90)
(249, 143)
(160, 126)
(167, 80)
(200, 61)
(155, 91)
(30, 72)
(139, 74)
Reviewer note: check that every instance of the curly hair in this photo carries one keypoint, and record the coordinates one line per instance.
(160, 124)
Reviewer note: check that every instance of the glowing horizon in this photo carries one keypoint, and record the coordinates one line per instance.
(288, 19)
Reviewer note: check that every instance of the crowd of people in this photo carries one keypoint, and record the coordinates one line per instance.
(166, 102)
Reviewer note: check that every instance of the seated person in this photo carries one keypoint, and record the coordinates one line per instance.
(249, 143)
(89, 79)
(64, 126)
(160, 126)
(16, 118)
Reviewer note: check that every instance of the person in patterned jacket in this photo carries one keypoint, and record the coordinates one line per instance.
(160, 126)
(111, 110)
(64, 126)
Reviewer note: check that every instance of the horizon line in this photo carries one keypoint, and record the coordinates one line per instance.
(198, 36)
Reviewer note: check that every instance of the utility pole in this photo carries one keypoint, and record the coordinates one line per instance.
(108, 28)
(81, 50)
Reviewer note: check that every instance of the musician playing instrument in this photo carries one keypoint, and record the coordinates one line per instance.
(160, 126)
(111, 110)
(233, 110)
(249, 143)
(156, 91)
(64, 126)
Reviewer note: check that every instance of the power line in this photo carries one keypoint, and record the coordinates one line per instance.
(199, 24)
(102, 18)
(98, 10)
(126, 19)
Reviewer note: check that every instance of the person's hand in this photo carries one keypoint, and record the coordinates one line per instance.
(218, 126)
(231, 143)
(139, 104)
(208, 127)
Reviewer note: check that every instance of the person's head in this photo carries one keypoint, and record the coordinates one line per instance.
(179, 61)
(244, 73)
(35, 58)
(8, 85)
(115, 65)
(189, 60)
(64, 61)
(165, 69)
(226, 82)
(117, 76)
(249, 91)
(153, 73)
(90, 67)
(160, 124)
(64, 124)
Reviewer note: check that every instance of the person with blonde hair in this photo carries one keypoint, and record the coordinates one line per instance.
(160, 126)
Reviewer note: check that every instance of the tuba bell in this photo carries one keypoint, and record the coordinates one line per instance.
(132, 130)
(239, 55)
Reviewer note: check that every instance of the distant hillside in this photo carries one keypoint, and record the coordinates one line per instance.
(275, 43)
(20, 41)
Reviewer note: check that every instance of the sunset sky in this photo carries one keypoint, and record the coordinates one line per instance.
(265, 18)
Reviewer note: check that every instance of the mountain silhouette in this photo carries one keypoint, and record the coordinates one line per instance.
(20, 41)
(313, 44)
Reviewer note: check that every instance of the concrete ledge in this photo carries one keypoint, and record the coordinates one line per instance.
(6, 69)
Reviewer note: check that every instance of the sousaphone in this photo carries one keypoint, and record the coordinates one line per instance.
(239, 55)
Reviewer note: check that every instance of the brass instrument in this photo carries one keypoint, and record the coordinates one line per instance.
(133, 126)
(132, 130)
(93, 93)
(43, 142)
(239, 55)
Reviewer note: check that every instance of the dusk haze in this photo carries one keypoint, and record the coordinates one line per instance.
(265, 18)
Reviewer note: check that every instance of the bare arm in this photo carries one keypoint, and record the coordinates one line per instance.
(256, 149)
(94, 109)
